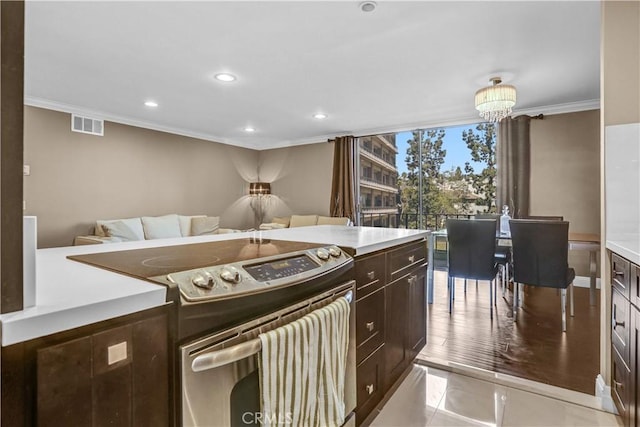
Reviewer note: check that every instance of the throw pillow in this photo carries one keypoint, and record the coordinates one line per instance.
(120, 230)
(329, 220)
(133, 223)
(284, 220)
(303, 220)
(207, 225)
(185, 223)
(161, 227)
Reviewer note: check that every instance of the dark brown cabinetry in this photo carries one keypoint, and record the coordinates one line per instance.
(390, 319)
(625, 336)
(114, 373)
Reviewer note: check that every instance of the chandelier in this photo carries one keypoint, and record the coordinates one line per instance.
(495, 102)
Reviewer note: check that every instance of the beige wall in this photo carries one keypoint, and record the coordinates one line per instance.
(300, 179)
(77, 178)
(565, 173)
(621, 62)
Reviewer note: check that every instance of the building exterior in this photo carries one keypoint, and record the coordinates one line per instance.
(378, 180)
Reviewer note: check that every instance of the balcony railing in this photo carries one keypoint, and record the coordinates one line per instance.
(408, 220)
(390, 160)
(390, 182)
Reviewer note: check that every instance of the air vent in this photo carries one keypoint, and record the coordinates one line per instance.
(87, 125)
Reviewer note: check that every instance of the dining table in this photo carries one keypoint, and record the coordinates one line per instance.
(588, 242)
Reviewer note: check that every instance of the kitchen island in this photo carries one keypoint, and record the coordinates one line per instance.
(91, 324)
(70, 294)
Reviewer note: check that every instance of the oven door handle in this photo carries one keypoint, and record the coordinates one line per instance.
(217, 358)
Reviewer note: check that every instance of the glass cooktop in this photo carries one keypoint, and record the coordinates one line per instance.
(149, 262)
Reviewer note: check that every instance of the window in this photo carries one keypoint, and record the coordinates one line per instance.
(418, 178)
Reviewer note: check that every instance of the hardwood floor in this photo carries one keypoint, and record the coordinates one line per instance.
(534, 348)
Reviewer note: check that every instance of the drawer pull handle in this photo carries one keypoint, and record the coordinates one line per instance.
(618, 273)
(616, 383)
(412, 258)
(371, 275)
(615, 323)
(369, 388)
(370, 326)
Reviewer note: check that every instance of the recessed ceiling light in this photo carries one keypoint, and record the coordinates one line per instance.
(151, 104)
(249, 129)
(320, 116)
(368, 6)
(225, 77)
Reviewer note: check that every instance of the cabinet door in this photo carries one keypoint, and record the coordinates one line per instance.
(620, 387)
(635, 372)
(370, 274)
(115, 377)
(369, 324)
(634, 285)
(396, 301)
(620, 321)
(417, 327)
(620, 275)
(405, 258)
(64, 384)
(370, 384)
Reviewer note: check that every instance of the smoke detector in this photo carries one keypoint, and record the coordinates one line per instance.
(368, 6)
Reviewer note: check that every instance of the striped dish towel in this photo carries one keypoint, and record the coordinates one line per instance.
(303, 369)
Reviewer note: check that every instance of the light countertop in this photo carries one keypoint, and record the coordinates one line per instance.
(71, 294)
(362, 240)
(627, 246)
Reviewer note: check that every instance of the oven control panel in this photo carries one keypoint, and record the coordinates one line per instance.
(258, 275)
(281, 268)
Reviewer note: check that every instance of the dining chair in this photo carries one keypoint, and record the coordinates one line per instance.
(503, 254)
(540, 258)
(544, 217)
(472, 248)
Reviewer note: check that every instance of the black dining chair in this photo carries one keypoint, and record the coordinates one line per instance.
(503, 254)
(472, 248)
(544, 217)
(540, 258)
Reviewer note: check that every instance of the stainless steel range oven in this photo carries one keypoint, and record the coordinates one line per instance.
(219, 372)
(224, 294)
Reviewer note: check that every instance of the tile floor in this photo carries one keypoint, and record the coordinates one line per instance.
(433, 397)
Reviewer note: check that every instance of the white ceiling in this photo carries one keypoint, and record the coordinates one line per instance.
(404, 65)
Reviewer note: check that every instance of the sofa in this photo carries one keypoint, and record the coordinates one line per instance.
(303, 221)
(152, 227)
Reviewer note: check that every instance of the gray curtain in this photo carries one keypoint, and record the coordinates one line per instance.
(513, 165)
(343, 185)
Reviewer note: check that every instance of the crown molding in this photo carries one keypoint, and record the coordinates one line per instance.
(571, 107)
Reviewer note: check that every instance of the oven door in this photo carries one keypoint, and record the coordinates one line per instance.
(219, 373)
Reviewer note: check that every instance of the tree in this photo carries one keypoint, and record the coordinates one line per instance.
(427, 170)
(483, 150)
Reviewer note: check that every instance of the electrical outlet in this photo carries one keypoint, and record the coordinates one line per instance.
(116, 353)
(26, 170)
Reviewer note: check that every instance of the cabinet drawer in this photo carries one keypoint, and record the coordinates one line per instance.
(370, 274)
(369, 383)
(620, 386)
(634, 285)
(402, 259)
(620, 325)
(620, 275)
(369, 324)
